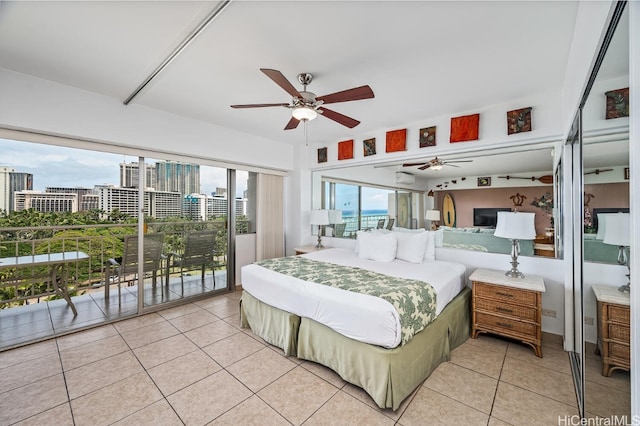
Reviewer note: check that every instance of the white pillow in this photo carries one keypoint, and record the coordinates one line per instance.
(438, 237)
(412, 246)
(377, 246)
(369, 231)
(412, 231)
(430, 252)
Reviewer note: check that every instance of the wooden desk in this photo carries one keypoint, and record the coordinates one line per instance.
(57, 275)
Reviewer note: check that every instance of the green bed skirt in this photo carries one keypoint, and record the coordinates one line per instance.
(278, 327)
(387, 375)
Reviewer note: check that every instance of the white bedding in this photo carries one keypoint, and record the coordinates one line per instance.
(358, 316)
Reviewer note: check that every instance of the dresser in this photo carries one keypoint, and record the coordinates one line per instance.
(613, 328)
(510, 307)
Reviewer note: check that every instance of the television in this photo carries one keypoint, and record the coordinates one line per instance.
(487, 217)
(598, 210)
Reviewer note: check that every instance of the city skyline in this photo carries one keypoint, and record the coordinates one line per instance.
(54, 166)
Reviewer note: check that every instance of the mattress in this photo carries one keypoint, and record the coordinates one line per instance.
(358, 316)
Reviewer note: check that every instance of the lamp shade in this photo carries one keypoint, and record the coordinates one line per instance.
(617, 231)
(432, 215)
(335, 216)
(319, 217)
(516, 225)
(304, 113)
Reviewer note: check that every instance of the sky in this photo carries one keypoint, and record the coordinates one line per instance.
(71, 167)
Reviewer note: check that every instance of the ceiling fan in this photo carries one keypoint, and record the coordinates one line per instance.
(435, 164)
(306, 106)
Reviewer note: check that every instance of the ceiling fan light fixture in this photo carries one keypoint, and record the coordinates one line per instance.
(436, 167)
(304, 113)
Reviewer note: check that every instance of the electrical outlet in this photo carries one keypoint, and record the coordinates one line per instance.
(549, 313)
(588, 320)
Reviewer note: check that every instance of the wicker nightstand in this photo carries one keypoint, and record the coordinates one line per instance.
(510, 307)
(613, 328)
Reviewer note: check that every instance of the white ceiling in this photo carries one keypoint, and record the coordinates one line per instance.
(421, 58)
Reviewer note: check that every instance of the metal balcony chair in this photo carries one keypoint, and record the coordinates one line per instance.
(390, 224)
(380, 224)
(339, 229)
(199, 251)
(152, 261)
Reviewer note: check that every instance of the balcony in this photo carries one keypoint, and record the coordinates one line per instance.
(32, 310)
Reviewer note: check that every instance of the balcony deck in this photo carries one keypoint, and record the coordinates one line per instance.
(38, 321)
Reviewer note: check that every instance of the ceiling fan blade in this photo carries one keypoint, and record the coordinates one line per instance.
(450, 165)
(281, 81)
(292, 124)
(339, 118)
(425, 167)
(458, 161)
(258, 105)
(413, 164)
(355, 94)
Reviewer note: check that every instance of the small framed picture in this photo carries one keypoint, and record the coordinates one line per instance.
(626, 173)
(369, 146)
(322, 155)
(484, 181)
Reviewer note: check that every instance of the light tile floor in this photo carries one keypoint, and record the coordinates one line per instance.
(29, 323)
(193, 365)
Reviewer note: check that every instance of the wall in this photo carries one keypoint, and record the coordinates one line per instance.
(467, 199)
(36, 105)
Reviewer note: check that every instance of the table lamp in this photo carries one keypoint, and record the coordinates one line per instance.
(433, 216)
(617, 233)
(516, 226)
(319, 218)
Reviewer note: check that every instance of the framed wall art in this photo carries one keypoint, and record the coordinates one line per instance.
(396, 140)
(617, 103)
(428, 137)
(369, 147)
(322, 155)
(519, 120)
(345, 150)
(465, 128)
(484, 181)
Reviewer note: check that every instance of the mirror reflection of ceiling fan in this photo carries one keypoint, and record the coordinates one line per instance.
(306, 106)
(435, 164)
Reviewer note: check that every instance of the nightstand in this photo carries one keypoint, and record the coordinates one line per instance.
(308, 249)
(544, 246)
(613, 328)
(510, 307)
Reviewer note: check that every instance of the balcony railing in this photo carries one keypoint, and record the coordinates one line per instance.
(32, 284)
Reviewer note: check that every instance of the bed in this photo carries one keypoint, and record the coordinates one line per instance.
(358, 335)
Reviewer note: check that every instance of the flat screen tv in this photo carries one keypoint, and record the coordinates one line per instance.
(598, 210)
(487, 217)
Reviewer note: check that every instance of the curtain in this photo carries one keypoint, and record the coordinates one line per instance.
(270, 217)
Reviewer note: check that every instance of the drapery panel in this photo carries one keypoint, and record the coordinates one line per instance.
(270, 217)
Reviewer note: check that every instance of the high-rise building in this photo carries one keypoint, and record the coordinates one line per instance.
(45, 201)
(129, 175)
(19, 181)
(172, 176)
(10, 182)
(207, 207)
(87, 198)
(157, 204)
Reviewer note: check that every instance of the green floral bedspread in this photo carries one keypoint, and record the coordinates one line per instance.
(414, 300)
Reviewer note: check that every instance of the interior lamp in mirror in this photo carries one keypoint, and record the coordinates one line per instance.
(434, 217)
(319, 218)
(616, 233)
(515, 226)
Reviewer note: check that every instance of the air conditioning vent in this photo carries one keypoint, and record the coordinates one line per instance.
(403, 177)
